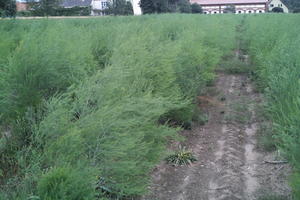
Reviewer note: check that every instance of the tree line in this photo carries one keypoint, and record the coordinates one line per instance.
(163, 6)
(115, 7)
(293, 5)
(7, 8)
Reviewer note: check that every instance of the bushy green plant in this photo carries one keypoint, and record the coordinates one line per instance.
(275, 54)
(7, 8)
(295, 182)
(90, 94)
(66, 183)
(196, 8)
(181, 157)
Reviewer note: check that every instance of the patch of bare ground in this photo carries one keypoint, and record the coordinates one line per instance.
(229, 166)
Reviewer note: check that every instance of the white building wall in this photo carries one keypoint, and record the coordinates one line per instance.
(136, 7)
(239, 9)
(99, 5)
(278, 3)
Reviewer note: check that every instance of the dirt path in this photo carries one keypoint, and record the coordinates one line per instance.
(229, 166)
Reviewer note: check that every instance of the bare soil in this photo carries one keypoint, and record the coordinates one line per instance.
(229, 166)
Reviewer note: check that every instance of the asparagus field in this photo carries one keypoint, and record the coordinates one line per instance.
(89, 107)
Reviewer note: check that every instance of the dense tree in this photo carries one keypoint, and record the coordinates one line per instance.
(120, 7)
(45, 7)
(293, 5)
(147, 6)
(162, 6)
(7, 8)
(296, 10)
(184, 6)
(196, 8)
(154, 6)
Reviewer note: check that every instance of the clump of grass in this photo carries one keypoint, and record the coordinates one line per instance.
(181, 157)
(295, 182)
(266, 140)
(238, 113)
(106, 189)
(65, 183)
(202, 119)
(235, 66)
(199, 116)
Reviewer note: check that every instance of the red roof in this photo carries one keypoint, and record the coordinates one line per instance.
(222, 2)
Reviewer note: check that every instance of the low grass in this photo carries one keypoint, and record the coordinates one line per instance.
(266, 140)
(199, 116)
(235, 66)
(238, 111)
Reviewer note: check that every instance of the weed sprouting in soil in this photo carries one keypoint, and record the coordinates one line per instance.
(181, 157)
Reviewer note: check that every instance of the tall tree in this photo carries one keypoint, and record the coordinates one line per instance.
(45, 7)
(147, 6)
(293, 5)
(184, 6)
(120, 7)
(7, 8)
(162, 6)
(196, 8)
(154, 6)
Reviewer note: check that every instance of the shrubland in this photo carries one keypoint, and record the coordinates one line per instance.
(88, 105)
(273, 42)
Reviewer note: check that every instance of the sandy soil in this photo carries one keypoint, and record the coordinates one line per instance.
(229, 166)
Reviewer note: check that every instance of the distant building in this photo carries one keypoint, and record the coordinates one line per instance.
(240, 6)
(22, 5)
(99, 5)
(136, 7)
(279, 4)
(75, 3)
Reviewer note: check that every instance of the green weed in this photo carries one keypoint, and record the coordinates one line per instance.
(181, 157)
